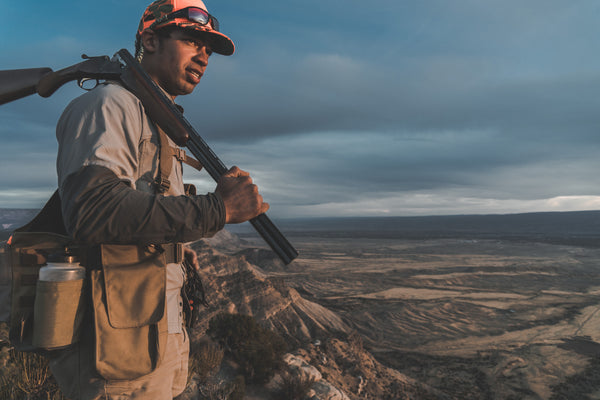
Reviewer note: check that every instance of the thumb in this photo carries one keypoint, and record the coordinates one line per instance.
(235, 172)
(264, 208)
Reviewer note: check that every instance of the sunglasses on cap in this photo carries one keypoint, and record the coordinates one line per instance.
(194, 14)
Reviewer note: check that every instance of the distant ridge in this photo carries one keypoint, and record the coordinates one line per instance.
(566, 227)
(569, 227)
(12, 218)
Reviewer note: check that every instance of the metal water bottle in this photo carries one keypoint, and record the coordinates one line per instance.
(62, 267)
(58, 308)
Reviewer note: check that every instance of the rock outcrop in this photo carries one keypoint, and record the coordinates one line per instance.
(234, 285)
(241, 281)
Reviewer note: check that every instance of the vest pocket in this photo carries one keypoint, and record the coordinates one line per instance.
(129, 308)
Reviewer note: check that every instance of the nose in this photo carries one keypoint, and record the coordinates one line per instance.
(202, 55)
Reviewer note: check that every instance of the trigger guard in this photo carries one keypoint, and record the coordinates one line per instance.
(81, 81)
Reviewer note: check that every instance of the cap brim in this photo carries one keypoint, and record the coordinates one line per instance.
(220, 43)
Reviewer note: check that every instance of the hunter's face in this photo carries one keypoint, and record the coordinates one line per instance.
(181, 60)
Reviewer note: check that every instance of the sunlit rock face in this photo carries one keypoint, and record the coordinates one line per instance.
(241, 279)
(235, 285)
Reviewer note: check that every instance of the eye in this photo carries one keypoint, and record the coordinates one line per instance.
(197, 44)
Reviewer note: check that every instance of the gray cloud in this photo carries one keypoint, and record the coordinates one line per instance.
(397, 107)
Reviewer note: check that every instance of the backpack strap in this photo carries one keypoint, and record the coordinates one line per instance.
(49, 219)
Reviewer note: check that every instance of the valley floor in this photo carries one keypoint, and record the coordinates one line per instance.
(475, 319)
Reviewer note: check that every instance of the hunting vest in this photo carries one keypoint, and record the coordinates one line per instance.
(126, 287)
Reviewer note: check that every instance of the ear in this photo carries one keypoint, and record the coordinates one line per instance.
(149, 41)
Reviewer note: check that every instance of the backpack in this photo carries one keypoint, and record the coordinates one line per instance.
(25, 252)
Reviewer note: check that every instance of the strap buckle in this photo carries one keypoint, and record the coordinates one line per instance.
(173, 252)
(162, 184)
(179, 154)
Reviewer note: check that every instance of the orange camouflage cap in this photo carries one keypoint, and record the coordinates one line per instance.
(187, 14)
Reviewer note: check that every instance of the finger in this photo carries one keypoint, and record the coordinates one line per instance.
(264, 208)
(236, 171)
(189, 254)
(192, 257)
(231, 172)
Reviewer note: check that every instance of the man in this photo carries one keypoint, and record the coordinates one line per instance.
(123, 199)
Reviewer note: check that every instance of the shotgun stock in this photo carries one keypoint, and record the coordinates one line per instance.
(15, 84)
(18, 83)
(100, 67)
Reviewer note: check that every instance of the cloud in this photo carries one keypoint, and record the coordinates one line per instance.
(421, 204)
(360, 173)
(391, 108)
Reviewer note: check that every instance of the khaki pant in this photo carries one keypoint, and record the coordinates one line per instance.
(75, 373)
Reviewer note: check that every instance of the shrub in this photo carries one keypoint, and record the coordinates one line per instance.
(223, 390)
(27, 376)
(356, 342)
(204, 361)
(294, 386)
(239, 388)
(258, 351)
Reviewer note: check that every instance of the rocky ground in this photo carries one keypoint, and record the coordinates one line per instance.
(419, 319)
(470, 319)
(241, 279)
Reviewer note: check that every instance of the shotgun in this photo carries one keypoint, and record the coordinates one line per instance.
(15, 84)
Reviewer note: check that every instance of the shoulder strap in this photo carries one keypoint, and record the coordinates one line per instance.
(166, 163)
(49, 219)
(191, 161)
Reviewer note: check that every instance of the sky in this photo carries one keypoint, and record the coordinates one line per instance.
(347, 108)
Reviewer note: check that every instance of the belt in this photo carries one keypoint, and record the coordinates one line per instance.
(173, 252)
(91, 257)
